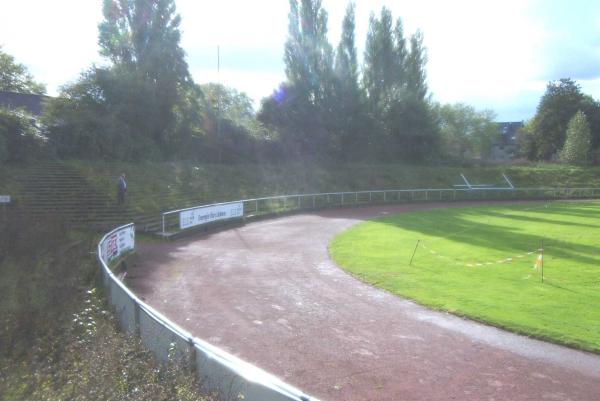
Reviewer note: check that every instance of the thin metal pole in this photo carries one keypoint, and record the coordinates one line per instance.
(219, 104)
(163, 225)
(414, 252)
(542, 261)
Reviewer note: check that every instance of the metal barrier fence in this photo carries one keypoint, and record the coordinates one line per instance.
(218, 371)
(171, 220)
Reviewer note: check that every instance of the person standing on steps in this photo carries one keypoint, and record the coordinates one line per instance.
(121, 189)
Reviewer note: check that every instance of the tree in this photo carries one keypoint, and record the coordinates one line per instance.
(350, 120)
(394, 79)
(14, 77)
(416, 60)
(228, 104)
(231, 130)
(141, 39)
(563, 98)
(20, 136)
(308, 54)
(382, 68)
(578, 141)
(304, 104)
(465, 131)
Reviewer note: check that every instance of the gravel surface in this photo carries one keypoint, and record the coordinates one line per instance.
(269, 293)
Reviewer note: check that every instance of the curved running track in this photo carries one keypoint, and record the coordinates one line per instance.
(269, 293)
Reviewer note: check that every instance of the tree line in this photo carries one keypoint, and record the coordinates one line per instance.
(144, 104)
(566, 126)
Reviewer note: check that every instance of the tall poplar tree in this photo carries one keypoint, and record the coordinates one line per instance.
(142, 40)
(416, 80)
(394, 79)
(380, 71)
(302, 109)
(350, 119)
(308, 54)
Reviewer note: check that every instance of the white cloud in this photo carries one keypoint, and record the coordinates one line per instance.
(55, 39)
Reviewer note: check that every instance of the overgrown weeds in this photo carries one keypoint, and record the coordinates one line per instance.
(58, 340)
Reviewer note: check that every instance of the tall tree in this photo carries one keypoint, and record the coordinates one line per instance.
(308, 54)
(346, 60)
(394, 78)
(142, 40)
(302, 109)
(563, 98)
(350, 119)
(578, 141)
(381, 69)
(416, 61)
(14, 77)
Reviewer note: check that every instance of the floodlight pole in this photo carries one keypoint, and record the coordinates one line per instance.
(220, 142)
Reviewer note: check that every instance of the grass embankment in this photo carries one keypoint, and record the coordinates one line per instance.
(159, 186)
(479, 262)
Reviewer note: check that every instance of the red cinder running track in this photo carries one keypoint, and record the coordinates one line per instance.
(269, 293)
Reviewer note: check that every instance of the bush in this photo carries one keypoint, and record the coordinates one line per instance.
(88, 359)
(57, 339)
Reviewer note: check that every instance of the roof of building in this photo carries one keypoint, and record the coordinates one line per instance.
(508, 131)
(34, 104)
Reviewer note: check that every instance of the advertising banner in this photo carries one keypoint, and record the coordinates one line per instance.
(208, 214)
(118, 243)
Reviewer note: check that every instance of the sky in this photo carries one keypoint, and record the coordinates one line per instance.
(496, 55)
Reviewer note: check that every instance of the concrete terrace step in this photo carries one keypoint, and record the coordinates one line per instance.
(55, 189)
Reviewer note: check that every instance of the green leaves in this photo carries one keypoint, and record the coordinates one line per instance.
(578, 142)
(14, 77)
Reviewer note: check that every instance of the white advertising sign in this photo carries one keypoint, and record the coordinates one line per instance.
(208, 214)
(118, 243)
(4, 198)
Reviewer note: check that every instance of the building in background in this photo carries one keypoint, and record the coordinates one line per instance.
(506, 147)
(33, 104)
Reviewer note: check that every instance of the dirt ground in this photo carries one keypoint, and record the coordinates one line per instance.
(269, 293)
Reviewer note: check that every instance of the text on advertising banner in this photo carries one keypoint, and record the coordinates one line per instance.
(118, 243)
(208, 214)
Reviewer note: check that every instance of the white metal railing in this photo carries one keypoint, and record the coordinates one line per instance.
(218, 370)
(289, 203)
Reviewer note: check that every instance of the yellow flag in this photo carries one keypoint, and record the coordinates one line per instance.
(539, 261)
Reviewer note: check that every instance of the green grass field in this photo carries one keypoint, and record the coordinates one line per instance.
(479, 262)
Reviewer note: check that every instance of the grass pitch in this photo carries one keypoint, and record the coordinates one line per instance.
(480, 262)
